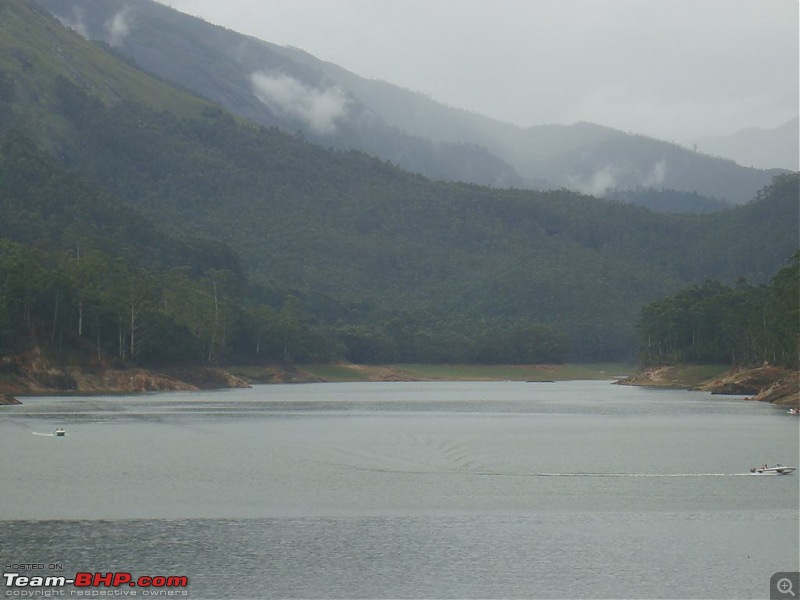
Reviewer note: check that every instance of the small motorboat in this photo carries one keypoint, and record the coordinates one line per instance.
(778, 469)
(794, 411)
(61, 432)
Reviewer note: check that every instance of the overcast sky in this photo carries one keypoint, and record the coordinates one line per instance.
(674, 69)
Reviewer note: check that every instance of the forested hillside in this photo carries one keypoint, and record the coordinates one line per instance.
(362, 240)
(239, 72)
(93, 283)
(279, 249)
(87, 278)
(715, 323)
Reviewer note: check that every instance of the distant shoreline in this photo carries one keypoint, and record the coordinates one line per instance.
(767, 384)
(38, 377)
(344, 371)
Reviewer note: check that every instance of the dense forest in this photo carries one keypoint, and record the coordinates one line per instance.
(91, 281)
(361, 241)
(668, 200)
(714, 323)
(142, 223)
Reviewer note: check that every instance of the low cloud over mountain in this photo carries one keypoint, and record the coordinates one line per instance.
(293, 90)
(319, 109)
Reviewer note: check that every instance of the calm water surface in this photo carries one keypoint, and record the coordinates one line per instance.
(407, 490)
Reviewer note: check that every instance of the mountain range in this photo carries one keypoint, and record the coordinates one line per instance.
(758, 147)
(291, 89)
(226, 236)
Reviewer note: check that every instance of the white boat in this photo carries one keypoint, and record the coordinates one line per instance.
(794, 411)
(778, 469)
(60, 432)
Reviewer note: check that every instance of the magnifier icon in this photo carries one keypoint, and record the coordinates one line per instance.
(784, 586)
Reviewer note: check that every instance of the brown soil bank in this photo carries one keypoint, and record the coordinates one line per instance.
(6, 399)
(766, 383)
(34, 374)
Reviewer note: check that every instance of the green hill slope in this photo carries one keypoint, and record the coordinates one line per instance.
(226, 67)
(396, 265)
(35, 51)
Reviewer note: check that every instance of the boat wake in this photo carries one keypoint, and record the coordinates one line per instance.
(623, 474)
(598, 474)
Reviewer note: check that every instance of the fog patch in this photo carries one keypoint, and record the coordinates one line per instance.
(113, 31)
(319, 109)
(600, 182)
(655, 178)
(118, 27)
(612, 177)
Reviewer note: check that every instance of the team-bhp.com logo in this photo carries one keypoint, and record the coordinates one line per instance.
(155, 585)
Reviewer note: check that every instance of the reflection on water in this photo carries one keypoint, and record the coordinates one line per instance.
(574, 489)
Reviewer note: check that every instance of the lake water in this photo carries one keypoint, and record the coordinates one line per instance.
(406, 490)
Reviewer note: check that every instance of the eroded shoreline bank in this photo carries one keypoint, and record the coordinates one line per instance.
(775, 385)
(37, 376)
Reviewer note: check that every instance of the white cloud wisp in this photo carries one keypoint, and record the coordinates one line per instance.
(318, 109)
